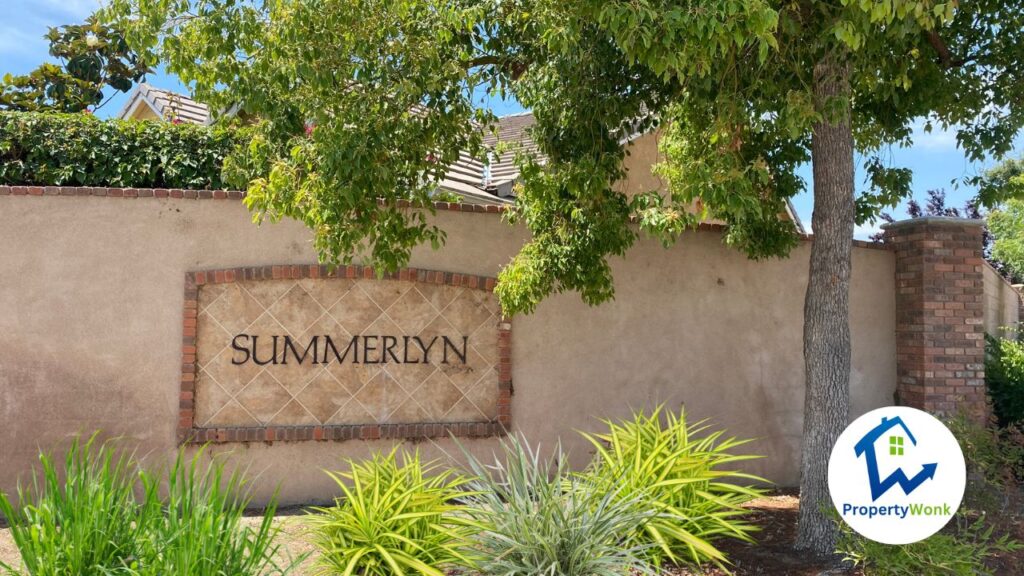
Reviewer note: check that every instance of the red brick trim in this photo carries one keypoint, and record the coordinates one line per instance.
(189, 433)
(722, 229)
(121, 192)
(204, 195)
(238, 195)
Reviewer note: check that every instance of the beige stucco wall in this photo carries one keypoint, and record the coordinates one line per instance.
(642, 155)
(1002, 304)
(90, 333)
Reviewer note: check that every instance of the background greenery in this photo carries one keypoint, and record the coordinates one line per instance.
(91, 56)
(1004, 377)
(81, 150)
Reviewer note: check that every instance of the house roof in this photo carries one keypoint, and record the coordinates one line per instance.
(166, 105)
(512, 133)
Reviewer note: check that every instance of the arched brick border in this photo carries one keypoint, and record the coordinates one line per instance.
(188, 433)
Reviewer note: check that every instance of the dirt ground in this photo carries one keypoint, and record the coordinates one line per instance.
(772, 555)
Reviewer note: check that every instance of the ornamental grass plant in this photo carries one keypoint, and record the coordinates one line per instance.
(97, 512)
(398, 516)
(536, 518)
(683, 475)
(80, 514)
(198, 528)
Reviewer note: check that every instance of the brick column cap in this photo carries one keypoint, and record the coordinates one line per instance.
(934, 220)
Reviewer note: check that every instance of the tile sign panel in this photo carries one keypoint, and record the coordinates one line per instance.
(301, 353)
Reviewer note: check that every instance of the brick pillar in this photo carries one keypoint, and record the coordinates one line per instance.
(940, 338)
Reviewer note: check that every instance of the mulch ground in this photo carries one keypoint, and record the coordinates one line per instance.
(773, 554)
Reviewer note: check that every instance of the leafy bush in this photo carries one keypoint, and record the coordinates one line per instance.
(81, 150)
(80, 518)
(1004, 377)
(84, 518)
(671, 468)
(394, 519)
(959, 550)
(994, 456)
(536, 518)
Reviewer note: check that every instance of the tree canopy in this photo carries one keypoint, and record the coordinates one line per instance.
(743, 91)
(389, 87)
(1003, 185)
(1007, 224)
(92, 56)
(935, 205)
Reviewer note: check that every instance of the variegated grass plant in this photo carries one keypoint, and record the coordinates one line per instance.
(684, 475)
(398, 516)
(535, 517)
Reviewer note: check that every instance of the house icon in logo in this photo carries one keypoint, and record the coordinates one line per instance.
(866, 447)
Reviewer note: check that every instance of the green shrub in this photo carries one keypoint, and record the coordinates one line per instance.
(994, 458)
(394, 519)
(537, 518)
(80, 517)
(201, 531)
(81, 150)
(101, 514)
(682, 475)
(1004, 377)
(959, 550)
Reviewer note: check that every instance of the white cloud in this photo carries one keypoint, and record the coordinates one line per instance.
(937, 139)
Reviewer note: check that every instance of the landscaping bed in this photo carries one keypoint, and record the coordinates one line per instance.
(773, 554)
(649, 491)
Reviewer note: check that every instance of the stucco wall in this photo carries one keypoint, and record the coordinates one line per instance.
(91, 308)
(642, 155)
(1002, 304)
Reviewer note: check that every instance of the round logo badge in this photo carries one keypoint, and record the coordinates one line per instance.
(896, 475)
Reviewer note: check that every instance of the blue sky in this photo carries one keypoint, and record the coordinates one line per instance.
(934, 158)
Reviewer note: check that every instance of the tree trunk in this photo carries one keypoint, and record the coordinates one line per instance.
(826, 306)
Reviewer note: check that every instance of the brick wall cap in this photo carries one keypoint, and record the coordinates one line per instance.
(935, 220)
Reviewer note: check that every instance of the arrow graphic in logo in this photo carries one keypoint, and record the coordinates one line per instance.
(866, 446)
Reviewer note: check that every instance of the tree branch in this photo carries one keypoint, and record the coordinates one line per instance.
(939, 45)
(945, 56)
(515, 67)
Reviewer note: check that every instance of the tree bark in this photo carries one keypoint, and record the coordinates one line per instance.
(826, 306)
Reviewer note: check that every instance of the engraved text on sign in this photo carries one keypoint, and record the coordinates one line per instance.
(337, 351)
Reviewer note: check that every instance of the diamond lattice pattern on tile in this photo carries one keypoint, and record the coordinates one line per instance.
(341, 351)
